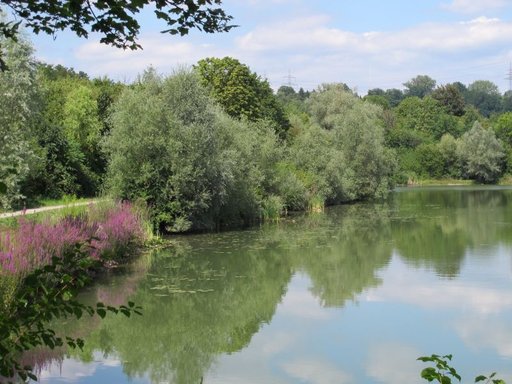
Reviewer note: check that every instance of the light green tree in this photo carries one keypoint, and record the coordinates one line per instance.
(481, 154)
(196, 167)
(80, 121)
(18, 113)
(358, 164)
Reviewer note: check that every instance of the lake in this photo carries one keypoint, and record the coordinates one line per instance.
(351, 295)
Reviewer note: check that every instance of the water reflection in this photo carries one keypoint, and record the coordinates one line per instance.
(280, 300)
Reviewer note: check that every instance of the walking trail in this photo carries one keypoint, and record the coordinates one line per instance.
(31, 211)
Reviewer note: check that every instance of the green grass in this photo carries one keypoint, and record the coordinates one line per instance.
(434, 182)
(65, 200)
(53, 215)
(506, 180)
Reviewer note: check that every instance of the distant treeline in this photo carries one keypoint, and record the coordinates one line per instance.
(213, 146)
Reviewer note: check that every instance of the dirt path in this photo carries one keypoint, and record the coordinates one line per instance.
(31, 211)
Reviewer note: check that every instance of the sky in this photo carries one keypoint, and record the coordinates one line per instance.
(363, 43)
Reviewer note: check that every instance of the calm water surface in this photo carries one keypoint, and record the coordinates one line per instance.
(353, 295)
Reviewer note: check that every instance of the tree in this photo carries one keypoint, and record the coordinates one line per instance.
(425, 116)
(481, 154)
(19, 109)
(420, 86)
(503, 128)
(195, 166)
(242, 93)
(376, 92)
(507, 101)
(113, 19)
(358, 166)
(485, 96)
(451, 98)
(70, 133)
(394, 96)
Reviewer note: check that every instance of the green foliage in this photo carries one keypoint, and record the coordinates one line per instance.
(394, 96)
(430, 161)
(75, 117)
(481, 154)
(348, 146)
(426, 116)
(503, 128)
(113, 19)
(272, 207)
(485, 96)
(46, 294)
(420, 86)
(378, 100)
(448, 151)
(196, 167)
(443, 372)
(241, 93)
(18, 115)
(451, 98)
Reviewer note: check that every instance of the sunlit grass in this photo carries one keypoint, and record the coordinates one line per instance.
(434, 182)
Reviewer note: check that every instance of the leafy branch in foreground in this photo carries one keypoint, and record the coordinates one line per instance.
(443, 372)
(46, 294)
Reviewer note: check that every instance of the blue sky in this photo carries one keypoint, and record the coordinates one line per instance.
(364, 43)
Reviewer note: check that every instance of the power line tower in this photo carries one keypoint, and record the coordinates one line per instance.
(290, 80)
(509, 77)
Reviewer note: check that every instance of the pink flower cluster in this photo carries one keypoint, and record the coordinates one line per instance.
(33, 244)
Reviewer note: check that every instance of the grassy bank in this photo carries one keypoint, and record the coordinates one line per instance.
(113, 231)
(440, 182)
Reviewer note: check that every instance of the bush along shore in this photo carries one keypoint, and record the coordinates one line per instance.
(43, 265)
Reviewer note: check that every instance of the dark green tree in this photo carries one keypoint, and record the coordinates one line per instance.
(451, 98)
(394, 96)
(376, 92)
(242, 93)
(485, 96)
(425, 116)
(507, 101)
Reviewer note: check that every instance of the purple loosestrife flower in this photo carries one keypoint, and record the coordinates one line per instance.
(112, 233)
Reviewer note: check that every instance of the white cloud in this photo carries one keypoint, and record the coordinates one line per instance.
(72, 370)
(279, 342)
(316, 372)
(475, 6)
(393, 363)
(158, 52)
(317, 51)
(302, 304)
(472, 298)
(313, 35)
(481, 333)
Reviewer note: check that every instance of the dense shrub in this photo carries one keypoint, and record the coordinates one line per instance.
(196, 167)
(481, 154)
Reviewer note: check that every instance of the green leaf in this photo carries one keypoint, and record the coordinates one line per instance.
(428, 373)
(101, 312)
(480, 378)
